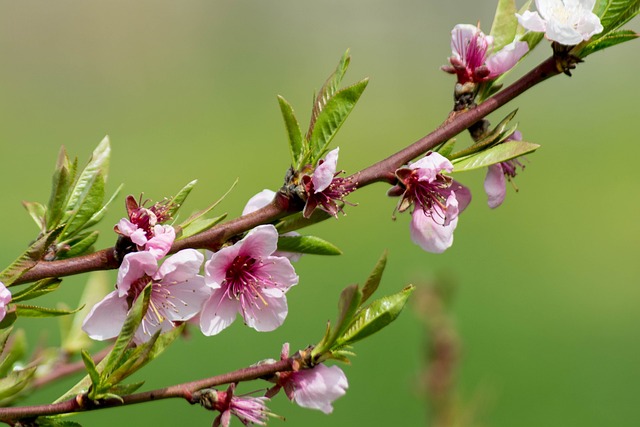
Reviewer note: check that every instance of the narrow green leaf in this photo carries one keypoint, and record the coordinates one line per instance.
(327, 91)
(131, 324)
(177, 200)
(88, 205)
(496, 154)
(504, 24)
(297, 221)
(97, 217)
(29, 258)
(611, 39)
(124, 389)
(200, 214)
(9, 319)
(501, 132)
(80, 245)
(376, 316)
(350, 299)
(307, 245)
(41, 287)
(16, 349)
(446, 147)
(91, 370)
(98, 165)
(331, 118)
(61, 182)
(296, 144)
(37, 211)
(23, 310)
(199, 225)
(55, 422)
(73, 337)
(4, 337)
(373, 281)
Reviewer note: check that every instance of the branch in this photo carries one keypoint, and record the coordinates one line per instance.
(280, 207)
(185, 391)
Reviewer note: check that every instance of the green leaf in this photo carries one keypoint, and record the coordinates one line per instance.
(199, 225)
(55, 422)
(373, 281)
(296, 147)
(495, 136)
(15, 382)
(88, 205)
(331, 118)
(327, 91)
(177, 200)
(80, 245)
(72, 336)
(36, 311)
(98, 166)
(37, 211)
(131, 324)
(15, 350)
(616, 13)
(198, 217)
(61, 182)
(446, 147)
(307, 245)
(496, 154)
(611, 39)
(29, 258)
(41, 287)
(350, 299)
(124, 389)
(97, 217)
(92, 371)
(504, 24)
(298, 221)
(4, 337)
(376, 316)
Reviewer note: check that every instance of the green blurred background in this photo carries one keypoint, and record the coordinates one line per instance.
(547, 285)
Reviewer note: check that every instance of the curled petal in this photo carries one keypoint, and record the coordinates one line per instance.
(463, 195)
(324, 173)
(134, 266)
(495, 186)
(431, 165)
(507, 58)
(532, 21)
(429, 234)
(318, 387)
(160, 244)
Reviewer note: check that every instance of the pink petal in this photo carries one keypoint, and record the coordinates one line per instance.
(216, 268)
(278, 270)
(186, 299)
(126, 227)
(218, 313)
(463, 195)
(260, 242)
(318, 387)
(429, 235)
(431, 165)
(134, 266)
(495, 186)
(258, 201)
(160, 244)
(507, 58)
(269, 317)
(106, 318)
(139, 237)
(179, 267)
(461, 36)
(324, 173)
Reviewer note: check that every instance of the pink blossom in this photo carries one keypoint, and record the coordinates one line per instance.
(144, 228)
(247, 278)
(472, 59)
(495, 182)
(567, 22)
(249, 410)
(437, 201)
(313, 388)
(324, 189)
(177, 295)
(5, 298)
(261, 200)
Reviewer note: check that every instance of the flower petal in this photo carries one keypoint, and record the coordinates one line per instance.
(318, 387)
(532, 21)
(495, 186)
(324, 173)
(134, 266)
(106, 318)
(160, 244)
(186, 299)
(506, 59)
(428, 234)
(267, 317)
(431, 165)
(218, 313)
(258, 201)
(260, 242)
(179, 267)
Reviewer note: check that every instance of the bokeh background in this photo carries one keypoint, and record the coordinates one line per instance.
(547, 293)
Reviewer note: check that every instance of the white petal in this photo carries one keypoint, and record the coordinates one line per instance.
(134, 266)
(180, 266)
(186, 299)
(258, 201)
(218, 313)
(532, 21)
(324, 173)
